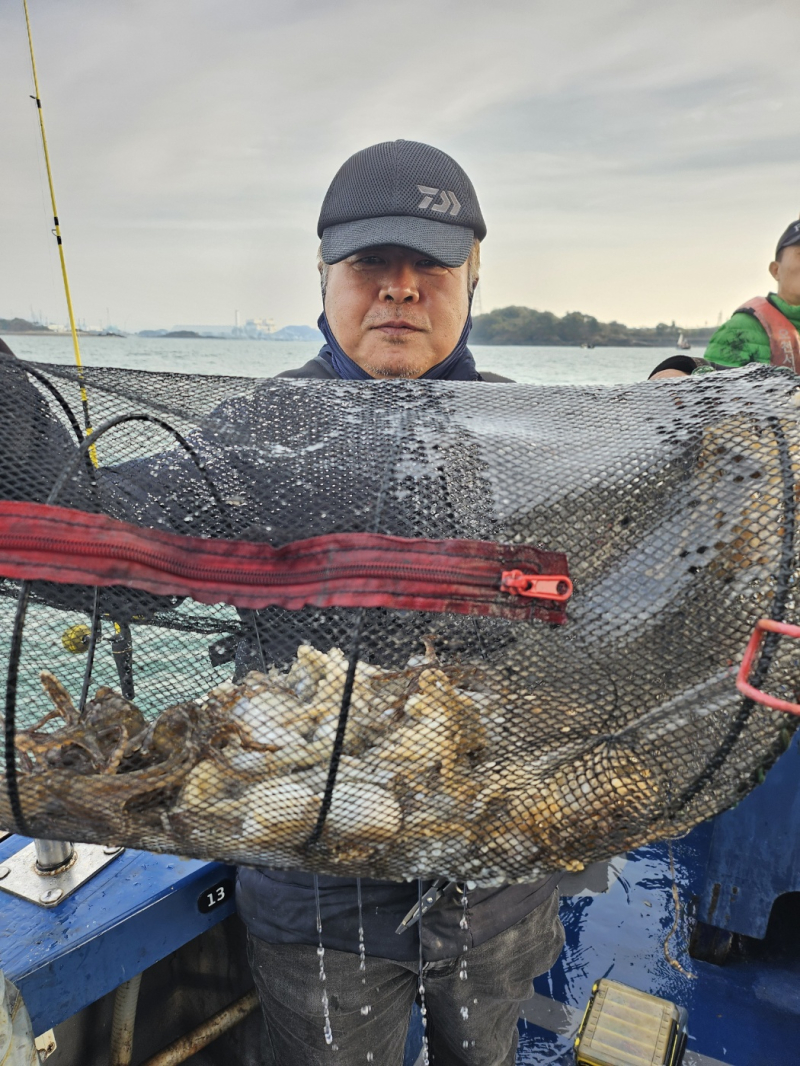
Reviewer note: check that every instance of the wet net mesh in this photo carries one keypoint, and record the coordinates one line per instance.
(307, 714)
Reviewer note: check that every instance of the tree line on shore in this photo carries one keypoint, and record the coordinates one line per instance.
(520, 325)
(19, 325)
(523, 325)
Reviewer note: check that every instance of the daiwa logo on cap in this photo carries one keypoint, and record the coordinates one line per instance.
(448, 201)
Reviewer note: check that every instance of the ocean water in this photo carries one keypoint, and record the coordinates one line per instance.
(540, 366)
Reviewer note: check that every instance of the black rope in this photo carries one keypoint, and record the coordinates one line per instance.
(347, 692)
(95, 633)
(250, 619)
(119, 420)
(122, 650)
(73, 421)
(341, 729)
(40, 377)
(43, 380)
(12, 784)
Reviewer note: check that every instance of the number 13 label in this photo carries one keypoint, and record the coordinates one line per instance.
(213, 897)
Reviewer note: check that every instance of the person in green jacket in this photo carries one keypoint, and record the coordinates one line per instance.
(746, 337)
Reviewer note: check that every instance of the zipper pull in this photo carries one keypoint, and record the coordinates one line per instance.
(557, 587)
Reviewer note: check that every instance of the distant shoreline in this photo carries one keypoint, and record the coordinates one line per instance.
(206, 337)
(506, 327)
(50, 333)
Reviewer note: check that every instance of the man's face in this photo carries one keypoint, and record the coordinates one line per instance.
(787, 274)
(395, 312)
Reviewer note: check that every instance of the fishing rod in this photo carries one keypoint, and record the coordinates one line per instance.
(57, 232)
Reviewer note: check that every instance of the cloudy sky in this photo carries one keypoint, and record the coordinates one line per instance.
(635, 159)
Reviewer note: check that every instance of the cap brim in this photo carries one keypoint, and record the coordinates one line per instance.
(447, 244)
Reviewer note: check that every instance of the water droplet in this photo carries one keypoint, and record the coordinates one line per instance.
(366, 1009)
(465, 1013)
(465, 1043)
(362, 953)
(423, 1008)
(322, 976)
(464, 926)
(370, 1057)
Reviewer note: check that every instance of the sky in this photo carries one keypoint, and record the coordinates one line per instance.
(635, 159)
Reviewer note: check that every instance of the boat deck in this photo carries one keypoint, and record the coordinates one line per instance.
(745, 1013)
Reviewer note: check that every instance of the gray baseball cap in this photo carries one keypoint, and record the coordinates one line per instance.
(791, 235)
(401, 192)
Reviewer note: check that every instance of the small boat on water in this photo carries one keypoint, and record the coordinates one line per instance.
(682, 343)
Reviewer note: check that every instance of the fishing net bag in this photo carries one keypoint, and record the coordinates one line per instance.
(392, 629)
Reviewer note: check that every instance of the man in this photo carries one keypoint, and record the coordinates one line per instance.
(400, 229)
(676, 366)
(763, 330)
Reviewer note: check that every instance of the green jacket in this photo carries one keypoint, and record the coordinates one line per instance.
(742, 339)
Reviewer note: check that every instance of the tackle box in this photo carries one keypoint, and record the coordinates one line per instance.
(625, 1027)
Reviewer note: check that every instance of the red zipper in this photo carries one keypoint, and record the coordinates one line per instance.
(162, 562)
(93, 549)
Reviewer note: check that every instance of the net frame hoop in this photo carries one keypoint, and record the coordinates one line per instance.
(44, 380)
(118, 420)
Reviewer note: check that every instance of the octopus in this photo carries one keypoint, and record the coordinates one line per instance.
(421, 780)
(111, 735)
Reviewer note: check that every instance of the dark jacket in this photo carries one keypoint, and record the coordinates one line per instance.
(321, 369)
(279, 906)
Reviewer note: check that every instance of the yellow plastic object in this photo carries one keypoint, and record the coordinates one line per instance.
(76, 639)
(625, 1027)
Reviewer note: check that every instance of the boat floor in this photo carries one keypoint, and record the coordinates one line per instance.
(744, 1013)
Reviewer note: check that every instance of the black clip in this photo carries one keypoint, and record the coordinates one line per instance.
(429, 899)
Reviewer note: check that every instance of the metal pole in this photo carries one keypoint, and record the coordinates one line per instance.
(124, 1021)
(190, 1044)
(51, 855)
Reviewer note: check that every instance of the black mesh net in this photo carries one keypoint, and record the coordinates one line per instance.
(311, 720)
